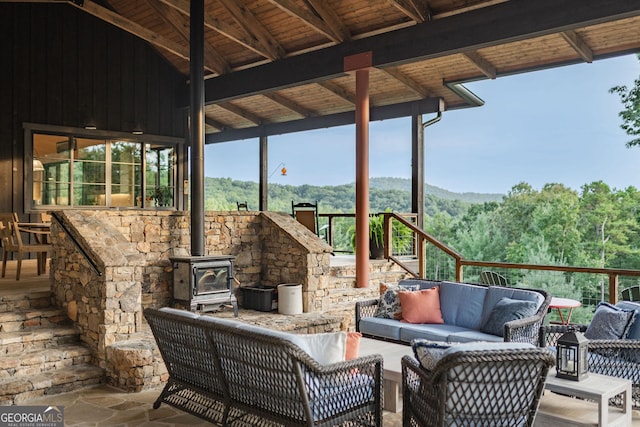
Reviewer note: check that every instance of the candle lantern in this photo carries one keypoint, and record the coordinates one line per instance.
(571, 356)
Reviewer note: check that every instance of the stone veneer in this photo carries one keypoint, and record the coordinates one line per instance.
(131, 250)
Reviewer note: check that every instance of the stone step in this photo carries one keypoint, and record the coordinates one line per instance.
(18, 342)
(39, 361)
(13, 321)
(18, 389)
(24, 300)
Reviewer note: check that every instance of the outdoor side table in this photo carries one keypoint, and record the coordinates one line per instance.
(595, 387)
(562, 303)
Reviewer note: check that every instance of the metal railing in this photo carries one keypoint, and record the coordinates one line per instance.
(437, 261)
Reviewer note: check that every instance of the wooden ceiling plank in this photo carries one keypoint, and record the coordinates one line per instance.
(339, 91)
(211, 22)
(287, 103)
(332, 19)
(249, 23)
(309, 18)
(242, 113)
(481, 64)
(430, 40)
(213, 61)
(407, 81)
(578, 44)
(423, 106)
(131, 27)
(415, 9)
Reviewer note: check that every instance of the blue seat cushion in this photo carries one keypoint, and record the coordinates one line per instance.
(473, 336)
(381, 327)
(428, 331)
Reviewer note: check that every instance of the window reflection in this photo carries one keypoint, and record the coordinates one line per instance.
(70, 171)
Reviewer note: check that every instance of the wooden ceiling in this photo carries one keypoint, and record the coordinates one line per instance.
(276, 66)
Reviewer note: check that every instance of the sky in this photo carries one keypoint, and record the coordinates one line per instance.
(553, 126)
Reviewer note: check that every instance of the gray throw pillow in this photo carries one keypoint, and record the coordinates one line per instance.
(428, 352)
(609, 322)
(506, 310)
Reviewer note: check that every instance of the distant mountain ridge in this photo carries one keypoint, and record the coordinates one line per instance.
(404, 184)
(385, 193)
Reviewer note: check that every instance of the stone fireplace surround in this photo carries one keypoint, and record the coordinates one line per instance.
(132, 248)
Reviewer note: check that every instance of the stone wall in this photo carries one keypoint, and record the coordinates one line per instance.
(131, 251)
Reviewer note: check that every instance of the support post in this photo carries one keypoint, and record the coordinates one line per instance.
(196, 71)
(417, 168)
(360, 63)
(263, 202)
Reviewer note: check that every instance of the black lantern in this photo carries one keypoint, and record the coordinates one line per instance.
(571, 356)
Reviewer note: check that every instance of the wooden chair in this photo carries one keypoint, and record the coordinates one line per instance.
(631, 293)
(306, 214)
(12, 242)
(493, 278)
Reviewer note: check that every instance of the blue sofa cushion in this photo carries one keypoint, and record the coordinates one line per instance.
(429, 331)
(496, 293)
(473, 336)
(506, 310)
(609, 322)
(461, 304)
(634, 328)
(380, 327)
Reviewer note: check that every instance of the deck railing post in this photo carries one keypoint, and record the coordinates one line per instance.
(613, 288)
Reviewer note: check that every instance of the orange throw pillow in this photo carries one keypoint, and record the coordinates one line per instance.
(353, 345)
(421, 306)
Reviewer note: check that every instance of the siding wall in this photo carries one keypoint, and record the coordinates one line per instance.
(61, 66)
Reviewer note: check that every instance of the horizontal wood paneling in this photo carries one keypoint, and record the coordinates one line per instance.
(67, 67)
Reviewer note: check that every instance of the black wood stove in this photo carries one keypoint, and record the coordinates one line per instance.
(204, 283)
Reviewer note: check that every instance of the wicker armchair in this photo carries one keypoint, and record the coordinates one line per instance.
(615, 358)
(475, 388)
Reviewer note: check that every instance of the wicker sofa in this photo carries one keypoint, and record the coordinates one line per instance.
(612, 357)
(466, 310)
(231, 373)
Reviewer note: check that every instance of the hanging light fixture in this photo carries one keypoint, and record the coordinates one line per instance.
(38, 166)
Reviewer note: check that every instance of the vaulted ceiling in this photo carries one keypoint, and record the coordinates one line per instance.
(276, 66)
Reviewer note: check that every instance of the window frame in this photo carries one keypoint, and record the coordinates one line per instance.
(110, 137)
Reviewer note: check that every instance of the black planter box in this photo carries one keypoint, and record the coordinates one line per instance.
(261, 298)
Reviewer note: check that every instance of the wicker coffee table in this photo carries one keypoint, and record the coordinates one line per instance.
(392, 354)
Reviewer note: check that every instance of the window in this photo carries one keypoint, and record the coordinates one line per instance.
(80, 170)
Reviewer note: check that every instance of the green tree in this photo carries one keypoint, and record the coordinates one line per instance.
(630, 98)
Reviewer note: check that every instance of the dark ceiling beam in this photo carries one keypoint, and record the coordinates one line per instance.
(131, 27)
(308, 17)
(250, 24)
(509, 21)
(416, 10)
(407, 81)
(481, 64)
(290, 105)
(423, 106)
(229, 31)
(578, 44)
(214, 124)
(213, 61)
(332, 19)
(239, 111)
(339, 91)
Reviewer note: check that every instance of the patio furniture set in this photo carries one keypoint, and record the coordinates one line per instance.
(458, 372)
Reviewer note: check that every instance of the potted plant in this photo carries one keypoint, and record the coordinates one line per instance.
(401, 237)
